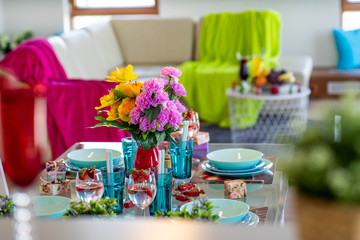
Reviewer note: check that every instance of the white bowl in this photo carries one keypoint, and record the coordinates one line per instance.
(229, 211)
(86, 158)
(234, 158)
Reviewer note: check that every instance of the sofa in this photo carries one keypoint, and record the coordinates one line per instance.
(87, 55)
(148, 44)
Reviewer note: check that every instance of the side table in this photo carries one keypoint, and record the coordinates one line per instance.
(267, 118)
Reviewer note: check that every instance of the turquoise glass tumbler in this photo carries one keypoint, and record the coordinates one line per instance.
(114, 186)
(129, 149)
(181, 159)
(162, 201)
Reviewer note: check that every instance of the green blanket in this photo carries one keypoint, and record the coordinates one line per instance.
(222, 36)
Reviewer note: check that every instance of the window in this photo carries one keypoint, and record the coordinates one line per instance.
(350, 14)
(85, 12)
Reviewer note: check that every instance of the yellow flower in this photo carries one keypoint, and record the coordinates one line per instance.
(113, 112)
(131, 89)
(122, 75)
(136, 87)
(107, 100)
(125, 108)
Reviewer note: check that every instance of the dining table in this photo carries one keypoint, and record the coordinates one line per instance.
(267, 196)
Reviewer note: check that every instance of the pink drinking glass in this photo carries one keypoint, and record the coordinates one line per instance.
(23, 129)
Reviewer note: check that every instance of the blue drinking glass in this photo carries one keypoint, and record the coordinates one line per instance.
(162, 201)
(114, 186)
(181, 159)
(129, 149)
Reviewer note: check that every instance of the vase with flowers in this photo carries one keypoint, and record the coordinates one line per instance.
(149, 111)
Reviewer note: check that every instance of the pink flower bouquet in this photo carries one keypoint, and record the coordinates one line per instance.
(150, 111)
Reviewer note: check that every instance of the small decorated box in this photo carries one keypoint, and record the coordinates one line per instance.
(55, 188)
(235, 189)
(201, 138)
(55, 172)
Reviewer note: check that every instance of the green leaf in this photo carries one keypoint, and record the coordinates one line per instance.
(152, 113)
(100, 118)
(119, 94)
(169, 138)
(102, 111)
(160, 136)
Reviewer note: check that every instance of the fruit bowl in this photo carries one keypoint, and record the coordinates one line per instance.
(86, 158)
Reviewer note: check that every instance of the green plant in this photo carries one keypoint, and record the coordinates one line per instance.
(7, 45)
(327, 161)
(6, 206)
(201, 210)
(104, 207)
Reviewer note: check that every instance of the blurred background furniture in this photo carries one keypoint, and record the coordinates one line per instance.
(221, 36)
(267, 118)
(92, 52)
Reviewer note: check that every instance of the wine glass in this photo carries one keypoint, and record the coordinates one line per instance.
(142, 188)
(89, 189)
(194, 125)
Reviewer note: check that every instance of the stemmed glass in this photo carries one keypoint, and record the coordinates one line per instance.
(142, 188)
(194, 125)
(88, 188)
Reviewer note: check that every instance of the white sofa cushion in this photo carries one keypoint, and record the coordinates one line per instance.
(86, 58)
(155, 41)
(106, 44)
(63, 54)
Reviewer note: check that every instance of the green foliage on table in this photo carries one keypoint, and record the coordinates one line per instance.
(6, 206)
(104, 207)
(202, 211)
(327, 168)
(7, 45)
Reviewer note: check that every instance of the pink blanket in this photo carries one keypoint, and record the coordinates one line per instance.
(71, 111)
(71, 103)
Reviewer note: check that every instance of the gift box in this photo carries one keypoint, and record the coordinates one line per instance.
(235, 189)
(55, 188)
(201, 137)
(55, 172)
(200, 151)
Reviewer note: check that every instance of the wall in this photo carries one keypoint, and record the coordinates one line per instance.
(1, 17)
(307, 24)
(43, 17)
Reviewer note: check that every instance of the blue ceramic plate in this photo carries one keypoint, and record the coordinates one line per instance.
(234, 158)
(250, 220)
(229, 211)
(50, 206)
(86, 158)
(267, 166)
(254, 168)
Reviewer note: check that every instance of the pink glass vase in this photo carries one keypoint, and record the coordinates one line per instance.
(146, 158)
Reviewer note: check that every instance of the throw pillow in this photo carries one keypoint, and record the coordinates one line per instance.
(348, 47)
